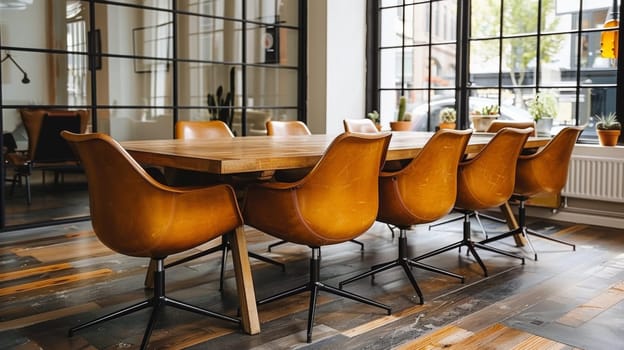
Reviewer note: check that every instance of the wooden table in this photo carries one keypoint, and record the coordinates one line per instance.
(267, 154)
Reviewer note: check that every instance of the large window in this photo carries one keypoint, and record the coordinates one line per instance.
(503, 52)
(138, 66)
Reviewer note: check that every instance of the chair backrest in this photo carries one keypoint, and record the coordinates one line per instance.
(287, 128)
(202, 129)
(338, 199)
(547, 170)
(487, 179)
(51, 147)
(133, 214)
(42, 128)
(496, 125)
(425, 189)
(363, 125)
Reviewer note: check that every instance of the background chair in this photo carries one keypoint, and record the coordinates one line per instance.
(287, 128)
(543, 172)
(47, 151)
(291, 128)
(486, 181)
(367, 126)
(165, 220)
(494, 127)
(201, 130)
(336, 202)
(363, 125)
(422, 192)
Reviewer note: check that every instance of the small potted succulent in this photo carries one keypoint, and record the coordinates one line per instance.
(608, 129)
(481, 119)
(374, 116)
(543, 108)
(403, 122)
(447, 116)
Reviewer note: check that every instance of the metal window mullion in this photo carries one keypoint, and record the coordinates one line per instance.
(578, 63)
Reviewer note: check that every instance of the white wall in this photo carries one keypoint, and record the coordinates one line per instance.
(336, 63)
(23, 28)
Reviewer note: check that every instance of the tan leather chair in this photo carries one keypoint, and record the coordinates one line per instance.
(200, 130)
(287, 128)
(336, 202)
(422, 192)
(486, 181)
(543, 172)
(494, 127)
(164, 220)
(363, 125)
(47, 151)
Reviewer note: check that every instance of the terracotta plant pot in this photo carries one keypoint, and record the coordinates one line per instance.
(401, 126)
(608, 137)
(447, 125)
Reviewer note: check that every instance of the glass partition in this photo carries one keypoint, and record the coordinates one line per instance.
(135, 67)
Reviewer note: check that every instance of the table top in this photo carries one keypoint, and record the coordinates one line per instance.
(266, 153)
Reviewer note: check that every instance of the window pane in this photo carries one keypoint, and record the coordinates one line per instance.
(485, 19)
(152, 89)
(520, 16)
(135, 124)
(425, 114)
(203, 38)
(271, 87)
(198, 80)
(444, 21)
(272, 45)
(484, 62)
(163, 4)
(519, 56)
(555, 62)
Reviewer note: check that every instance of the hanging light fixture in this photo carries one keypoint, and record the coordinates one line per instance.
(609, 38)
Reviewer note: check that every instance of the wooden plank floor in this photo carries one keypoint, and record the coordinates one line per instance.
(55, 277)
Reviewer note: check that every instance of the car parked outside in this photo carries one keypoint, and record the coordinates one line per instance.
(419, 113)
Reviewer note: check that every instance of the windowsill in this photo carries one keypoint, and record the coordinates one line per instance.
(598, 150)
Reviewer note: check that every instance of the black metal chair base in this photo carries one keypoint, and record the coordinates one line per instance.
(314, 286)
(273, 245)
(477, 215)
(224, 247)
(471, 245)
(157, 302)
(404, 262)
(525, 231)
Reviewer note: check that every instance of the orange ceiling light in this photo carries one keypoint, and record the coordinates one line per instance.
(609, 38)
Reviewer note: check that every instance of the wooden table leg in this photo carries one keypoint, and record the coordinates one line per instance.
(512, 222)
(244, 283)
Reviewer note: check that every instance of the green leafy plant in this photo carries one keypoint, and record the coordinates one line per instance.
(607, 122)
(487, 110)
(544, 105)
(219, 106)
(374, 116)
(448, 115)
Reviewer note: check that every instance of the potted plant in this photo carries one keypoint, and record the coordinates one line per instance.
(374, 116)
(448, 116)
(608, 129)
(481, 119)
(543, 108)
(403, 122)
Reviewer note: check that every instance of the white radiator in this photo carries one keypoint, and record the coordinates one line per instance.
(598, 178)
